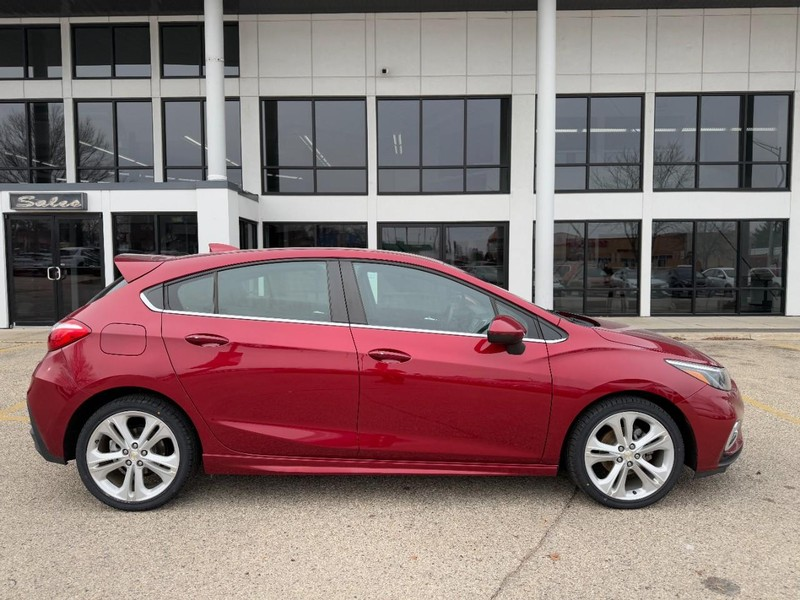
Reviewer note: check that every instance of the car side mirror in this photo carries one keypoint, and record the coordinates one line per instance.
(506, 331)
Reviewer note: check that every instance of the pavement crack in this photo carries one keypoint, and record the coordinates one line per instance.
(509, 576)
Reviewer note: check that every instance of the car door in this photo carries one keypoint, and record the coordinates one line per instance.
(265, 352)
(432, 387)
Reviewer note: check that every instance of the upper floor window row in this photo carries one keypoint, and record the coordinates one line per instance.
(119, 50)
(598, 143)
(444, 145)
(106, 51)
(722, 141)
(30, 52)
(183, 50)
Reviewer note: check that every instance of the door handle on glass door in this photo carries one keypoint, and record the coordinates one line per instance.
(389, 356)
(206, 340)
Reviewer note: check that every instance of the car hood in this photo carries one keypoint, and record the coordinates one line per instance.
(649, 340)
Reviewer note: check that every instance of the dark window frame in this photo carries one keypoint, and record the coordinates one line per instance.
(588, 164)
(584, 289)
(25, 64)
(113, 101)
(317, 225)
(113, 28)
(443, 225)
(203, 132)
(202, 54)
(506, 99)
(745, 113)
(29, 156)
(737, 290)
(313, 167)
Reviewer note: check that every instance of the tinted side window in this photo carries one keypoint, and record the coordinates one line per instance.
(290, 290)
(192, 295)
(409, 298)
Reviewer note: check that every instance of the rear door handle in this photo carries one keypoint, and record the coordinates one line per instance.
(206, 340)
(389, 356)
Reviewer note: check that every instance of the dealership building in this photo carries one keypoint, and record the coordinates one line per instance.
(612, 157)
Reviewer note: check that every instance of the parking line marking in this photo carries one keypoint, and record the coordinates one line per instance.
(786, 347)
(7, 416)
(772, 410)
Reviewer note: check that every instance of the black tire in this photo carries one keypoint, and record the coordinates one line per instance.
(651, 414)
(175, 443)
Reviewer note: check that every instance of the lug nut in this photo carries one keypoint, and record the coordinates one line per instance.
(128, 463)
(125, 452)
(621, 448)
(637, 456)
(134, 445)
(632, 446)
(139, 463)
(619, 459)
(630, 464)
(144, 453)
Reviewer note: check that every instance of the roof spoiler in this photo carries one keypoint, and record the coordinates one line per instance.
(221, 248)
(133, 266)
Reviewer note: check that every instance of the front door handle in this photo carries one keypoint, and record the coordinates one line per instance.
(53, 275)
(389, 356)
(206, 340)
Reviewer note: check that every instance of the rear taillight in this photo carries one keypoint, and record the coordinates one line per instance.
(66, 332)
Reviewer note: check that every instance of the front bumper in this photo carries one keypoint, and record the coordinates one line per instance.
(724, 463)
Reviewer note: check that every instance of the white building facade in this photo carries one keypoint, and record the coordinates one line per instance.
(675, 140)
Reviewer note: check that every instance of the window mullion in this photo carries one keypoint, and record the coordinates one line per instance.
(464, 150)
(115, 132)
(587, 154)
(698, 122)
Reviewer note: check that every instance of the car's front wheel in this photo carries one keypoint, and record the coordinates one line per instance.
(136, 453)
(625, 452)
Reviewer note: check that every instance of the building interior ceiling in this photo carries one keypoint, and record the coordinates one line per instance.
(65, 8)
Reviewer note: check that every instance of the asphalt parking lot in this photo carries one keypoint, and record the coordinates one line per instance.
(733, 535)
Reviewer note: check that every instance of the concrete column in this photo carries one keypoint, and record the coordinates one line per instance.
(215, 90)
(545, 148)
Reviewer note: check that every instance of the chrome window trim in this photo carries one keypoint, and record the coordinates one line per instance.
(242, 317)
(149, 305)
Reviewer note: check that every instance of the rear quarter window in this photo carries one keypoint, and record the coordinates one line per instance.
(194, 295)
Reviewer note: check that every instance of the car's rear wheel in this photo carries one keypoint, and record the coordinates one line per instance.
(136, 453)
(625, 452)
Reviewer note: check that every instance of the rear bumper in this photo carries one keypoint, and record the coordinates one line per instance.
(41, 448)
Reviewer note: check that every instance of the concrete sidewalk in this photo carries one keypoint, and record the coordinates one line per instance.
(738, 324)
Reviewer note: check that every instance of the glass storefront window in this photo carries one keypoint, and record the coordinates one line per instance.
(330, 235)
(115, 141)
(598, 143)
(722, 142)
(314, 146)
(596, 267)
(717, 267)
(248, 234)
(185, 140)
(172, 234)
(30, 52)
(32, 146)
(443, 145)
(478, 249)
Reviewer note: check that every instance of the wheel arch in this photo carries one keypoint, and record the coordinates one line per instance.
(689, 442)
(93, 403)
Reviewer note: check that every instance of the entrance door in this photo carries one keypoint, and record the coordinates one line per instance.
(55, 265)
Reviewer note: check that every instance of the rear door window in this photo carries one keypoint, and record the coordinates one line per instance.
(296, 291)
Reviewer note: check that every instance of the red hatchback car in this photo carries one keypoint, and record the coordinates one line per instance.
(361, 361)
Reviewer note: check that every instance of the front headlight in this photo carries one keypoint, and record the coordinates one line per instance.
(716, 377)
